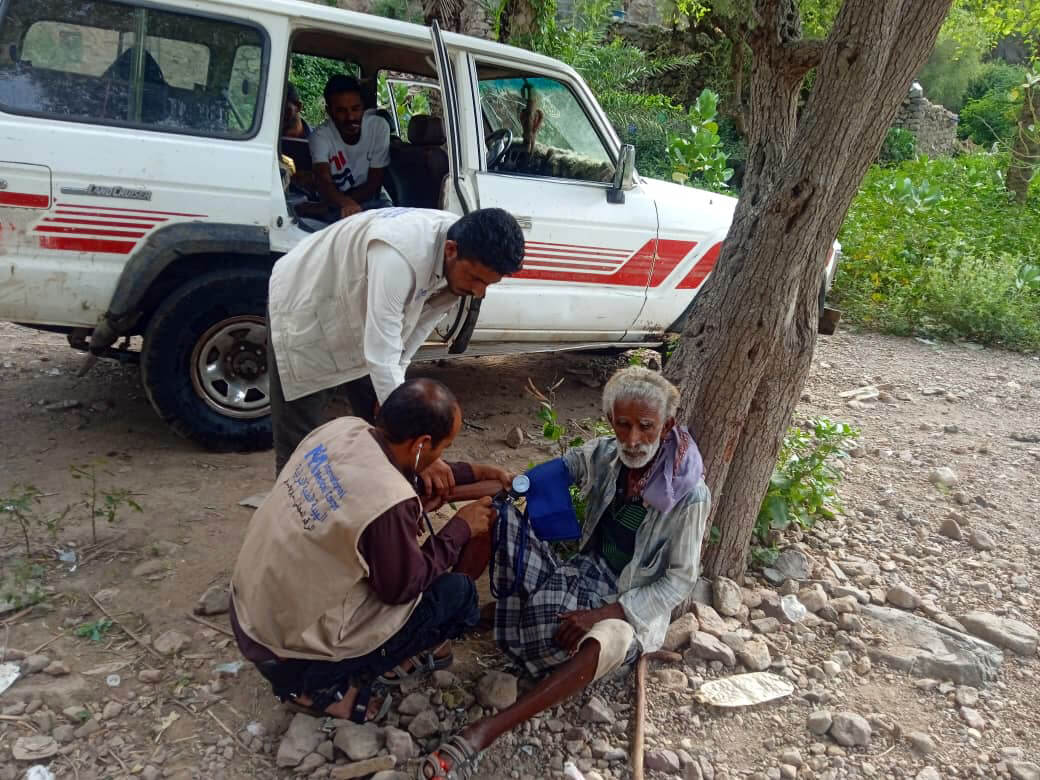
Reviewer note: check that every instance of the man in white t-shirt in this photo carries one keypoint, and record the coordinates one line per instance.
(350, 151)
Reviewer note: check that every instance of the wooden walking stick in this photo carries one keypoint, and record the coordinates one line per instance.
(637, 733)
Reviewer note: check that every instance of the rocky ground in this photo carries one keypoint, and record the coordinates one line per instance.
(905, 628)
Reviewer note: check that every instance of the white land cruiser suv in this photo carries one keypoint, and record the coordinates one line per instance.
(144, 190)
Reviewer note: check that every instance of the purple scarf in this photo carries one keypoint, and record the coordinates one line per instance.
(675, 472)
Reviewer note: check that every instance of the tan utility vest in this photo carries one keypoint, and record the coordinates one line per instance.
(300, 586)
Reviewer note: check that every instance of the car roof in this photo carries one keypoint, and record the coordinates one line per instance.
(405, 31)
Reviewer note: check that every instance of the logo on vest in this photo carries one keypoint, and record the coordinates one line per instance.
(314, 489)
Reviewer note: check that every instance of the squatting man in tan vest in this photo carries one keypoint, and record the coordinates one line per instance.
(331, 589)
(350, 305)
(576, 620)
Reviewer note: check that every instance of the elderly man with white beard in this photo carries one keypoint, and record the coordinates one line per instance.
(646, 507)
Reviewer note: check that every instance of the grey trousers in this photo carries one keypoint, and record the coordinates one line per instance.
(291, 421)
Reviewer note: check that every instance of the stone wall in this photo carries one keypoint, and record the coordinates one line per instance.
(934, 126)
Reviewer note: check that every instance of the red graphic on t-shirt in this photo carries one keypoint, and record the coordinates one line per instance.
(339, 159)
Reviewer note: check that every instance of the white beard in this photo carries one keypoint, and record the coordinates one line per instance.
(641, 457)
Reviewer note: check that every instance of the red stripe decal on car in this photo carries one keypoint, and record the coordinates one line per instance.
(24, 199)
(83, 244)
(106, 223)
(61, 211)
(121, 211)
(669, 254)
(84, 231)
(695, 278)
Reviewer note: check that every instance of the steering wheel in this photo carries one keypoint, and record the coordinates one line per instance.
(498, 143)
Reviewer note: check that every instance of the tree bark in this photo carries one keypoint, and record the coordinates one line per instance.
(1025, 150)
(744, 355)
(519, 19)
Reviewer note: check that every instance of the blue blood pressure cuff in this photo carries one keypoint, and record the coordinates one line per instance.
(549, 506)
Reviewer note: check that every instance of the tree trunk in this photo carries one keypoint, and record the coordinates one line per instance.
(745, 352)
(1025, 151)
(468, 18)
(519, 19)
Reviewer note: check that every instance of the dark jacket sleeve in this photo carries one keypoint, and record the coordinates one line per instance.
(398, 568)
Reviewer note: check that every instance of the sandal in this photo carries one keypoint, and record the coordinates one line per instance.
(453, 760)
(422, 664)
(358, 714)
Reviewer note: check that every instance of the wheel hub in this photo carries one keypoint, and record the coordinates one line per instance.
(229, 367)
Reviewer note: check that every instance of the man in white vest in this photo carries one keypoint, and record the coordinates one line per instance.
(350, 305)
(332, 592)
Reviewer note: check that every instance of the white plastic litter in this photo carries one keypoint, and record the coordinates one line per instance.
(744, 690)
(39, 772)
(572, 771)
(113, 680)
(8, 674)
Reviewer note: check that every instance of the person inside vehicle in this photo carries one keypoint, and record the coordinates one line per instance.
(349, 306)
(647, 509)
(293, 123)
(332, 594)
(532, 158)
(350, 152)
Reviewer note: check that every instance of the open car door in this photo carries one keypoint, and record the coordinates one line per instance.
(457, 327)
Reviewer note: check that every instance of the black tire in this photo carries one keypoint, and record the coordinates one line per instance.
(178, 327)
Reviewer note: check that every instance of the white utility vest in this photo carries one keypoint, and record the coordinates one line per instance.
(318, 295)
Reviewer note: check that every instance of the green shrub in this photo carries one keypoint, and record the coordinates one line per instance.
(991, 118)
(948, 72)
(899, 146)
(803, 487)
(696, 156)
(955, 265)
(997, 76)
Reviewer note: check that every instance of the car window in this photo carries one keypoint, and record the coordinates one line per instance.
(550, 133)
(407, 97)
(115, 63)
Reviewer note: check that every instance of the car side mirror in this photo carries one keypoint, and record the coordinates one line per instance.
(624, 174)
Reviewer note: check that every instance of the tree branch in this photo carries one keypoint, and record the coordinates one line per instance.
(803, 56)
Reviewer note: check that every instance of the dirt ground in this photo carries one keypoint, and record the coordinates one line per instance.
(975, 411)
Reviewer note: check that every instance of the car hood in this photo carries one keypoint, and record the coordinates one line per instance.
(689, 210)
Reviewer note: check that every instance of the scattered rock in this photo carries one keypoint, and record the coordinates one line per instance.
(414, 703)
(660, 760)
(359, 740)
(710, 648)
(981, 540)
(310, 762)
(755, 655)
(966, 696)
(1008, 633)
(391, 774)
(819, 722)
(171, 642)
(951, 529)
(34, 748)
(112, 710)
(88, 728)
(150, 676)
(709, 621)
(35, 663)
(400, 743)
(56, 669)
(515, 437)
(64, 733)
(972, 718)
(850, 730)
(424, 725)
(903, 597)
(1023, 770)
(151, 566)
(813, 598)
(928, 773)
(922, 743)
(363, 768)
(443, 679)
(679, 633)
(215, 601)
(497, 689)
(674, 679)
(923, 648)
(302, 737)
(791, 564)
(726, 596)
(597, 711)
(63, 406)
(944, 476)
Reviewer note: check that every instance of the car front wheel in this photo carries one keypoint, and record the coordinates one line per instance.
(204, 363)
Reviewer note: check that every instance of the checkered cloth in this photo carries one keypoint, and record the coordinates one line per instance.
(526, 621)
